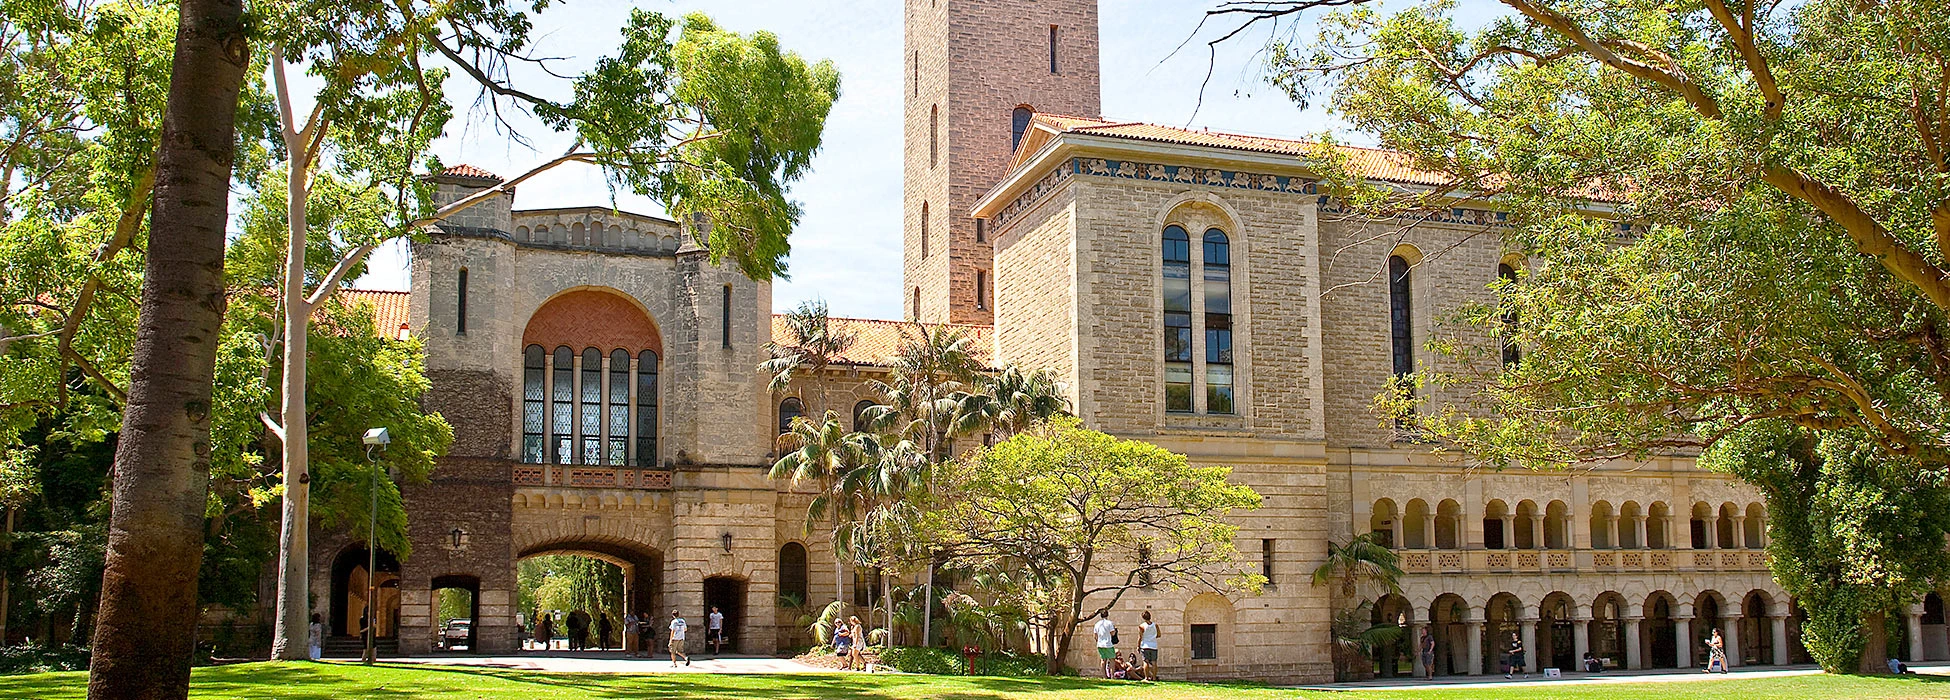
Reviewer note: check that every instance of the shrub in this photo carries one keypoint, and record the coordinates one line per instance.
(35, 658)
(949, 662)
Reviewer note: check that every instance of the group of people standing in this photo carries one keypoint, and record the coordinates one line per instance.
(579, 626)
(634, 627)
(1142, 664)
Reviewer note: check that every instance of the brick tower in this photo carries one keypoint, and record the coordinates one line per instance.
(970, 65)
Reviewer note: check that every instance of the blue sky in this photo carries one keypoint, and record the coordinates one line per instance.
(846, 249)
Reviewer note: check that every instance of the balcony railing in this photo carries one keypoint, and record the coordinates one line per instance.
(1445, 561)
(591, 477)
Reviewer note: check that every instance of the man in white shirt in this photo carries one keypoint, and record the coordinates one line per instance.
(1148, 645)
(1106, 640)
(677, 627)
(714, 631)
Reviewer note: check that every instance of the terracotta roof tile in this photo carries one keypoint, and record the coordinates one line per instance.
(389, 309)
(469, 171)
(880, 340)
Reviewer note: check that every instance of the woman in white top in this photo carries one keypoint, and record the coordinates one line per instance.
(315, 636)
(1148, 645)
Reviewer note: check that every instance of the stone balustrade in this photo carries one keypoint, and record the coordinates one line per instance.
(585, 476)
(1450, 561)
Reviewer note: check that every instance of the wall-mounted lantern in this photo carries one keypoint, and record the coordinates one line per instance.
(726, 539)
(459, 536)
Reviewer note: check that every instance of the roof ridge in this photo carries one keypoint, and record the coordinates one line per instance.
(897, 321)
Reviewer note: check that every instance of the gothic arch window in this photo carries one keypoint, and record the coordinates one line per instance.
(646, 409)
(915, 314)
(1018, 124)
(562, 414)
(924, 230)
(789, 409)
(534, 403)
(1400, 316)
(1178, 319)
(1511, 354)
(590, 403)
(860, 416)
(792, 571)
(1218, 323)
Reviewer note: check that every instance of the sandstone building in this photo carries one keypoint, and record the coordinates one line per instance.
(599, 374)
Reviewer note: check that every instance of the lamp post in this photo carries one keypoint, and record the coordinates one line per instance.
(375, 439)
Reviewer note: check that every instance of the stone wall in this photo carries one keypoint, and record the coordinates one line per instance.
(1036, 292)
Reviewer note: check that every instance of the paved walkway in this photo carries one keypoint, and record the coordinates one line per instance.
(1643, 676)
(615, 662)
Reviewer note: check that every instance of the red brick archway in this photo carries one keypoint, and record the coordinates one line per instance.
(599, 318)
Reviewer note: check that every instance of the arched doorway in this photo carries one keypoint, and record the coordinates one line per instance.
(350, 587)
(1556, 635)
(1936, 637)
(726, 594)
(457, 610)
(1657, 633)
(1756, 630)
(1499, 626)
(1393, 658)
(1706, 618)
(1607, 631)
(602, 579)
(1446, 617)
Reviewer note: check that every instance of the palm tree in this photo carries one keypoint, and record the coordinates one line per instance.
(813, 344)
(1362, 566)
(823, 454)
(1009, 403)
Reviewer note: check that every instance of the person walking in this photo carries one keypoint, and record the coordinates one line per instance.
(1148, 646)
(315, 637)
(714, 631)
(630, 632)
(544, 629)
(677, 628)
(859, 634)
(1716, 652)
(1106, 640)
(843, 642)
(1515, 658)
(1428, 656)
(602, 632)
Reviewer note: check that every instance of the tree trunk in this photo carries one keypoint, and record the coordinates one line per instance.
(289, 642)
(1875, 645)
(145, 633)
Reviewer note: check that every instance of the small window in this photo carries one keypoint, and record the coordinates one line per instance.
(789, 409)
(793, 571)
(460, 305)
(726, 320)
(1144, 565)
(1019, 123)
(1511, 354)
(924, 230)
(1052, 49)
(934, 136)
(1205, 641)
(981, 231)
(917, 74)
(860, 416)
(915, 314)
(981, 289)
(1266, 550)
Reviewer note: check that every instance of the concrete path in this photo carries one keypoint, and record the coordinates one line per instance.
(1643, 676)
(615, 662)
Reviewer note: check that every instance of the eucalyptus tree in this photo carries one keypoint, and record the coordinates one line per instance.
(1783, 173)
(813, 345)
(714, 124)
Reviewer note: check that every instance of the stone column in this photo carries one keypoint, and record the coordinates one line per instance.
(1395, 532)
(1414, 646)
(1730, 636)
(1912, 626)
(1536, 526)
(1640, 523)
(1580, 636)
(1474, 627)
(1740, 533)
(1428, 530)
(1611, 532)
(1779, 623)
(1682, 634)
(1713, 534)
(1528, 628)
(1632, 660)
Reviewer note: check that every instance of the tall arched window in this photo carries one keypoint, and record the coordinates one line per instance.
(1400, 311)
(924, 230)
(860, 416)
(562, 419)
(934, 135)
(618, 436)
(534, 404)
(646, 409)
(789, 409)
(1510, 352)
(1018, 124)
(1218, 323)
(792, 571)
(915, 314)
(1178, 318)
(591, 404)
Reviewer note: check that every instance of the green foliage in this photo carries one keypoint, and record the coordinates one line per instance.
(950, 662)
(39, 658)
(455, 604)
(830, 618)
(565, 584)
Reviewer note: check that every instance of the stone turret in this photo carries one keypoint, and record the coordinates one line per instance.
(459, 181)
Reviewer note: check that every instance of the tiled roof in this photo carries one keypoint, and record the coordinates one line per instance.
(389, 309)
(1373, 163)
(469, 171)
(878, 341)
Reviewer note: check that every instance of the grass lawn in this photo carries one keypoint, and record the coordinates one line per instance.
(312, 681)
